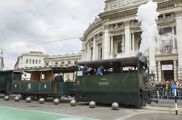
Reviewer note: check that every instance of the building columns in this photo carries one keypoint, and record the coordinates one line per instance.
(159, 70)
(179, 43)
(175, 70)
(123, 43)
(111, 47)
(133, 42)
(94, 49)
(106, 43)
(174, 42)
(127, 38)
(88, 52)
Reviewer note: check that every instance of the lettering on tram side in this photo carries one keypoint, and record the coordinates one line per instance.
(103, 79)
(103, 82)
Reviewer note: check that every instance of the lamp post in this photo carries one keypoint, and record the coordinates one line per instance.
(1, 58)
(1, 52)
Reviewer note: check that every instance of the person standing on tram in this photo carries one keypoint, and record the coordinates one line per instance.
(85, 70)
(100, 70)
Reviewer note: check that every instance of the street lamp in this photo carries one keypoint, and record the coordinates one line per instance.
(1, 52)
(1, 59)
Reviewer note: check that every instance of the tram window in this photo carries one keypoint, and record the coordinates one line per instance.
(129, 69)
(116, 67)
(142, 65)
(43, 77)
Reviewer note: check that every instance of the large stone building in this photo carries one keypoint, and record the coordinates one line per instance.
(116, 31)
(31, 59)
(63, 60)
(39, 59)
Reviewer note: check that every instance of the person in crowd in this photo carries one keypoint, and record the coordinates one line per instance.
(173, 88)
(85, 70)
(166, 89)
(100, 70)
(59, 78)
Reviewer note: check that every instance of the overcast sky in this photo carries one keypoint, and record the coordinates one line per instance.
(44, 25)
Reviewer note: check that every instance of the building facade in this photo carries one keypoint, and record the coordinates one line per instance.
(39, 59)
(31, 59)
(117, 31)
(62, 60)
(1, 63)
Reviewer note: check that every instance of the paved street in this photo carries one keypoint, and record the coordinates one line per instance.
(83, 112)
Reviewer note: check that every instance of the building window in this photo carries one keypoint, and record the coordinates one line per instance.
(119, 47)
(69, 62)
(56, 63)
(91, 49)
(100, 51)
(33, 61)
(36, 61)
(26, 61)
(30, 61)
(39, 61)
(163, 31)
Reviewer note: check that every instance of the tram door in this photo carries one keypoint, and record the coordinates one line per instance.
(55, 87)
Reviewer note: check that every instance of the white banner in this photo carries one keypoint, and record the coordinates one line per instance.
(167, 67)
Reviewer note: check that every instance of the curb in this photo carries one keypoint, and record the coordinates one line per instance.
(164, 109)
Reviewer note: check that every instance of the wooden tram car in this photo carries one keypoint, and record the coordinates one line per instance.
(6, 78)
(42, 82)
(124, 81)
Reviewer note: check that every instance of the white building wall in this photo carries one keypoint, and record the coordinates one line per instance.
(1, 63)
(31, 59)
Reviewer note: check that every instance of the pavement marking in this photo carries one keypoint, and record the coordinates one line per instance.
(69, 117)
(137, 113)
(125, 117)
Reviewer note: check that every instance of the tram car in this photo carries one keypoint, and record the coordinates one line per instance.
(124, 81)
(44, 82)
(6, 78)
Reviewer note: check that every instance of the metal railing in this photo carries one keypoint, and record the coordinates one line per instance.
(162, 93)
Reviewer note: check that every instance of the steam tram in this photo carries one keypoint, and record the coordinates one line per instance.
(124, 81)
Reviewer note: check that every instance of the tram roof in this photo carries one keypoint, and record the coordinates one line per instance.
(4, 71)
(126, 62)
(109, 60)
(54, 69)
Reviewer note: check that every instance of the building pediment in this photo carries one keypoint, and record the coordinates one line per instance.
(123, 11)
(116, 4)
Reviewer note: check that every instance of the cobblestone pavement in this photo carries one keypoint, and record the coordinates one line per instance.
(150, 112)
